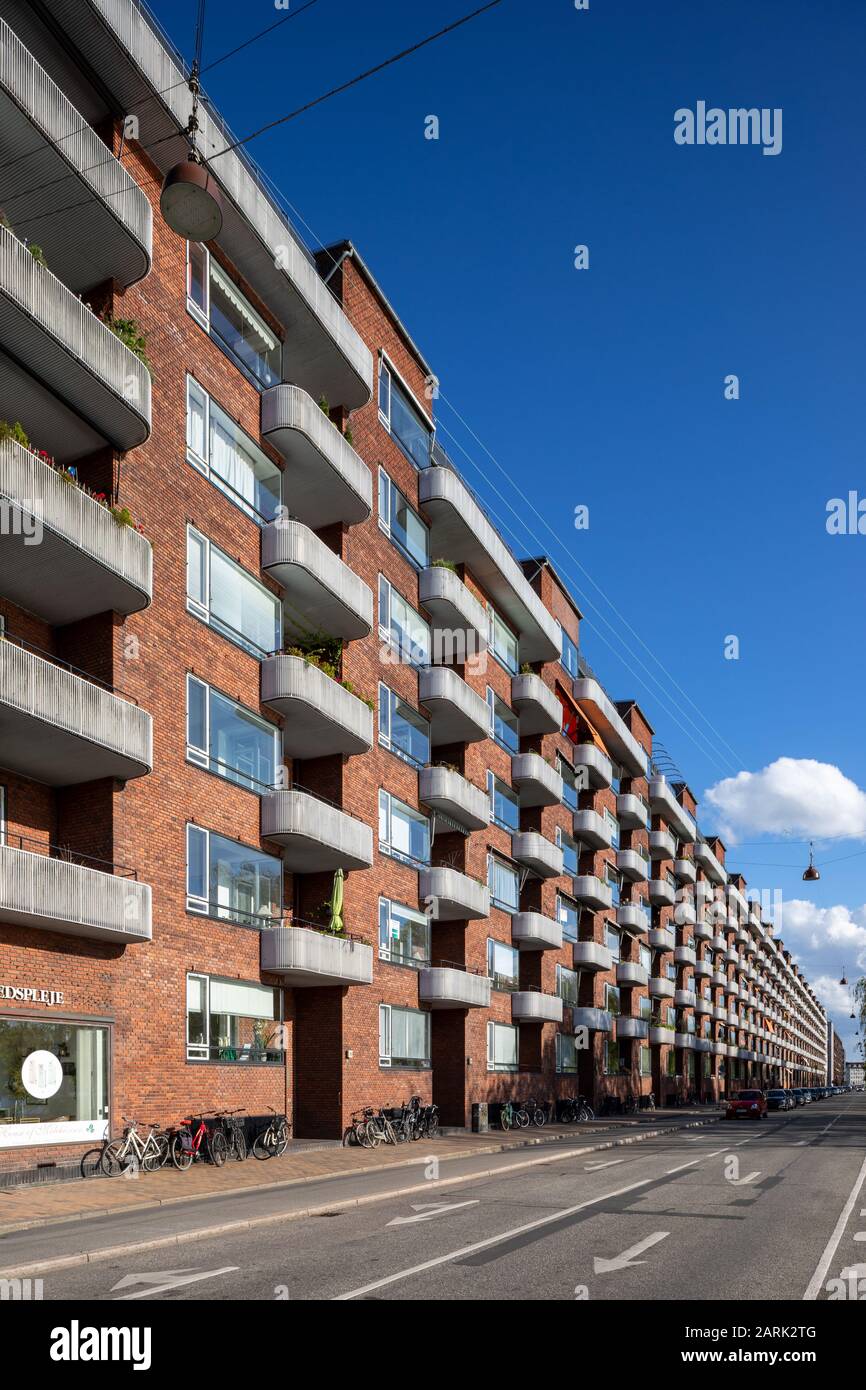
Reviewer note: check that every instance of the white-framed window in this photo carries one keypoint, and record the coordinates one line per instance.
(401, 523)
(232, 1021)
(503, 965)
(503, 881)
(566, 1054)
(404, 1038)
(646, 1061)
(569, 658)
(612, 999)
(504, 725)
(217, 447)
(402, 626)
(645, 1006)
(566, 985)
(404, 833)
(502, 1047)
(614, 882)
(402, 729)
(613, 825)
(401, 418)
(228, 739)
(568, 916)
(612, 940)
(504, 804)
(570, 851)
(232, 881)
(228, 599)
(569, 783)
(645, 956)
(224, 311)
(404, 934)
(502, 641)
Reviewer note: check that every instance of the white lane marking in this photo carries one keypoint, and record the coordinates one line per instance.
(596, 1167)
(627, 1259)
(425, 1211)
(683, 1166)
(798, 1142)
(486, 1244)
(741, 1182)
(861, 1235)
(173, 1279)
(831, 1124)
(817, 1281)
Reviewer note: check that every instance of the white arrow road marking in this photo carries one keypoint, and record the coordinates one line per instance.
(172, 1279)
(427, 1210)
(627, 1259)
(817, 1281)
(597, 1167)
(860, 1235)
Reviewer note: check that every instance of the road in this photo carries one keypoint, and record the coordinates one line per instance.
(745, 1210)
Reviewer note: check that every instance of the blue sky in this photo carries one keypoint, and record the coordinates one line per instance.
(604, 387)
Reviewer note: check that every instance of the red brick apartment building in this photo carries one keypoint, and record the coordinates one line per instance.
(257, 629)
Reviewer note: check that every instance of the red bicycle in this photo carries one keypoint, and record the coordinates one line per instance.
(188, 1144)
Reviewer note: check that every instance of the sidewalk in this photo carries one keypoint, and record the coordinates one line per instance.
(25, 1207)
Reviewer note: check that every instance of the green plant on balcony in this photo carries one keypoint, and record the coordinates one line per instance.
(325, 405)
(129, 333)
(319, 650)
(16, 432)
(38, 254)
(348, 436)
(441, 564)
(526, 669)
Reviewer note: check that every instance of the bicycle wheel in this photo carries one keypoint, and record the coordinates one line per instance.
(157, 1154)
(375, 1136)
(539, 1119)
(114, 1158)
(521, 1118)
(239, 1145)
(263, 1145)
(281, 1138)
(182, 1157)
(432, 1126)
(218, 1149)
(505, 1120)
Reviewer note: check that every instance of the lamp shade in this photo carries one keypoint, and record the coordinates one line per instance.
(190, 202)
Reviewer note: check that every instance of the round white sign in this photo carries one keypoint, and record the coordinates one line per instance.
(41, 1074)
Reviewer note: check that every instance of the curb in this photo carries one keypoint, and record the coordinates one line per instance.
(238, 1227)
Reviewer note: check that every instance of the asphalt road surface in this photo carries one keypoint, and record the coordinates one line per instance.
(737, 1210)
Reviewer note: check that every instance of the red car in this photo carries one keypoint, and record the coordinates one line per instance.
(747, 1105)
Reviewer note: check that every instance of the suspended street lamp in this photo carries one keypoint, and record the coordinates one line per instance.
(811, 873)
(190, 201)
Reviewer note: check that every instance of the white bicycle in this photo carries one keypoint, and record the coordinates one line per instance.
(131, 1152)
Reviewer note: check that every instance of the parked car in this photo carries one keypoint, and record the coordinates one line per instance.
(799, 1095)
(779, 1100)
(747, 1105)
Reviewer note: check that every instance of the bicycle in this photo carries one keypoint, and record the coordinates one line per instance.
(133, 1152)
(380, 1129)
(506, 1115)
(574, 1109)
(630, 1105)
(273, 1141)
(356, 1130)
(235, 1135)
(188, 1146)
(428, 1124)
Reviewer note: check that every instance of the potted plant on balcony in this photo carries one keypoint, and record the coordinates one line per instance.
(129, 333)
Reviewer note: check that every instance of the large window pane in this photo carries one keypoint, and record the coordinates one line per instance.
(233, 1021)
(403, 729)
(403, 831)
(241, 331)
(504, 805)
(504, 884)
(401, 522)
(219, 448)
(503, 965)
(404, 934)
(402, 419)
(53, 1082)
(230, 880)
(504, 727)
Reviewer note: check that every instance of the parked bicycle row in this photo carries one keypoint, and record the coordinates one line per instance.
(212, 1136)
(392, 1124)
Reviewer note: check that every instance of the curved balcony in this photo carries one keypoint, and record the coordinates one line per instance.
(661, 893)
(592, 829)
(64, 557)
(461, 532)
(95, 222)
(633, 917)
(719, 1049)
(707, 860)
(592, 957)
(450, 794)
(591, 892)
(320, 592)
(537, 853)
(662, 939)
(604, 716)
(632, 865)
(684, 1040)
(62, 729)
(631, 812)
(535, 781)
(702, 930)
(599, 768)
(532, 1006)
(321, 716)
(663, 802)
(324, 480)
(447, 987)
(631, 974)
(703, 1006)
(65, 375)
(74, 899)
(594, 1020)
(535, 705)
(684, 870)
(458, 714)
(719, 1014)
(531, 931)
(662, 844)
(702, 1045)
(685, 955)
(628, 1028)
(660, 988)
(684, 913)
(304, 958)
(703, 969)
(315, 836)
(456, 615)
(685, 998)
(453, 896)
(660, 1036)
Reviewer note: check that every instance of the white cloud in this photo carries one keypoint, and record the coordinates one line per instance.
(822, 928)
(791, 796)
(836, 1000)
